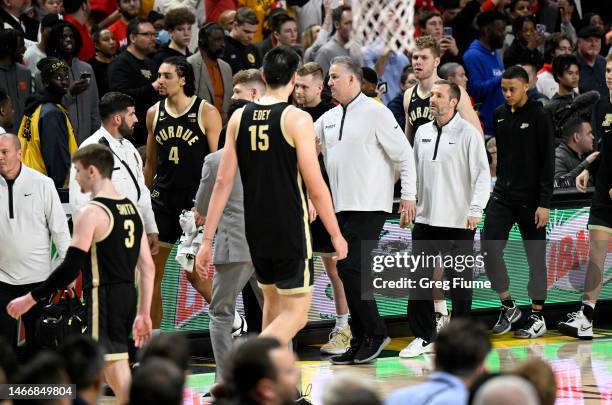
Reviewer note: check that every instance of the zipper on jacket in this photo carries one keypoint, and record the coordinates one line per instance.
(437, 141)
(344, 109)
(10, 199)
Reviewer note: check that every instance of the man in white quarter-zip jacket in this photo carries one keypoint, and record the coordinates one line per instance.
(118, 119)
(362, 144)
(452, 192)
(31, 216)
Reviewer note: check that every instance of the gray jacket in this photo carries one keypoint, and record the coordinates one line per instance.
(83, 109)
(230, 244)
(16, 81)
(204, 86)
(568, 164)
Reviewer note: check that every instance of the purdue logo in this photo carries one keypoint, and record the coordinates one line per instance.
(420, 112)
(177, 132)
(251, 58)
(607, 121)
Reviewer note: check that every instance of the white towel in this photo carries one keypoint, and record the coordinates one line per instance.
(190, 241)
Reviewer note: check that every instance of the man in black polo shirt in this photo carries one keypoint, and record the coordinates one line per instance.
(240, 52)
(522, 194)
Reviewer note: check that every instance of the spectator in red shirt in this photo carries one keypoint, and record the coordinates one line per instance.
(129, 10)
(77, 13)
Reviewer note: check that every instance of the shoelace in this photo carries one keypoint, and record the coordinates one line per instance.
(573, 316)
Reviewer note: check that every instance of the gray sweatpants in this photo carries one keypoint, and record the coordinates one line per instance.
(228, 282)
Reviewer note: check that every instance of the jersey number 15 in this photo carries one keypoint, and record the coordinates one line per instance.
(259, 137)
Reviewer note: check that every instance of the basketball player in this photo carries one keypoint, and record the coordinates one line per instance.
(108, 243)
(273, 144)
(425, 60)
(182, 129)
(580, 324)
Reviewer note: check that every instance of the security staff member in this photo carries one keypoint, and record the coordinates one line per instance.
(525, 174)
(453, 171)
(362, 144)
(118, 114)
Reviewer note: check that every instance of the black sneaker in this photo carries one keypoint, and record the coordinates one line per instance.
(347, 357)
(371, 348)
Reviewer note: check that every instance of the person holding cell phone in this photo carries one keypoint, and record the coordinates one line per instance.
(433, 25)
(81, 100)
(528, 37)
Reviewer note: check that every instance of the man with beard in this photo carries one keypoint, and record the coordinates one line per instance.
(118, 120)
(64, 42)
(129, 10)
(213, 76)
(485, 67)
(46, 117)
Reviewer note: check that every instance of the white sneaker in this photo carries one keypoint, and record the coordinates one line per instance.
(441, 321)
(417, 347)
(577, 326)
(240, 330)
(534, 328)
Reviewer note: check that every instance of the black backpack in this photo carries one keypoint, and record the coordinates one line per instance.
(60, 320)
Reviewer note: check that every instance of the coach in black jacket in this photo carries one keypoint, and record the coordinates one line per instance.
(522, 195)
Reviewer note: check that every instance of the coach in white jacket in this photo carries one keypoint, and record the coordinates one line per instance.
(452, 192)
(362, 144)
(118, 119)
(31, 216)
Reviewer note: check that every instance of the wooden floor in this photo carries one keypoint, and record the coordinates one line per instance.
(583, 368)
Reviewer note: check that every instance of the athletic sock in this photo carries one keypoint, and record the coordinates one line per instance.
(440, 306)
(341, 321)
(508, 303)
(588, 309)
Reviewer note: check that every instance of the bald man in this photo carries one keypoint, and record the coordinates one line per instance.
(31, 216)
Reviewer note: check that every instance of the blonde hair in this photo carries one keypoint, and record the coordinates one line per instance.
(428, 42)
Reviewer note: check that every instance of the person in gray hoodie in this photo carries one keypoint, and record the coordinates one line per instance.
(82, 99)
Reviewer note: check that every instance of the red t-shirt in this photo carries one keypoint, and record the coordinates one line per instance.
(88, 50)
(119, 31)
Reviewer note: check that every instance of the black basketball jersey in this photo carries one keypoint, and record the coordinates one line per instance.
(113, 258)
(182, 145)
(418, 111)
(275, 210)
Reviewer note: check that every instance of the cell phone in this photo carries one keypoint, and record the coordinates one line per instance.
(541, 28)
(448, 31)
(85, 76)
(382, 87)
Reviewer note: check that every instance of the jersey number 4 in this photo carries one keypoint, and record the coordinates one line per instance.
(173, 155)
(259, 137)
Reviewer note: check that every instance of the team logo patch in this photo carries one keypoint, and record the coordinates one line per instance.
(251, 58)
(607, 121)
(146, 73)
(524, 125)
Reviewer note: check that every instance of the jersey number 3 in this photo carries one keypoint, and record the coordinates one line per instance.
(128, 225)
(259, 137)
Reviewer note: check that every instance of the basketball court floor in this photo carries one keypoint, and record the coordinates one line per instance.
(583, 368)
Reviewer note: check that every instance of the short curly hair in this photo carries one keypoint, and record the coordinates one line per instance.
(428, 42)
(178, 16)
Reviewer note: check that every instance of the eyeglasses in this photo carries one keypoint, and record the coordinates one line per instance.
(147, 34)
